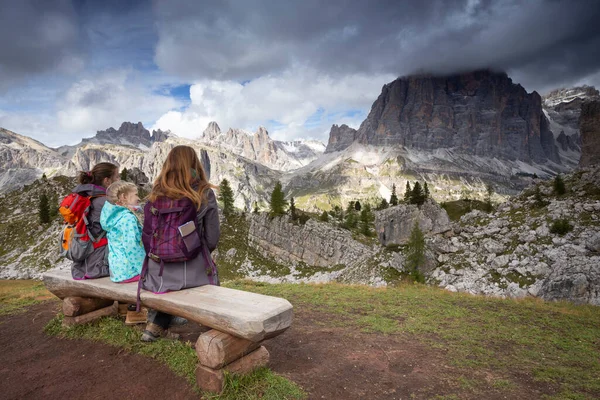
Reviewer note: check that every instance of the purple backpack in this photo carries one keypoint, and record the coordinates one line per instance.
(165, 236)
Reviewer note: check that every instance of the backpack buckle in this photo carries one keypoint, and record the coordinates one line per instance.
(154, 257)
(154, 210)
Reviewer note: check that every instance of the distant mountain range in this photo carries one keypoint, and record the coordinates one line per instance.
(457, 132)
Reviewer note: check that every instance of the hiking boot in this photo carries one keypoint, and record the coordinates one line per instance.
(178, 321)
(134, 318)
(153, 332)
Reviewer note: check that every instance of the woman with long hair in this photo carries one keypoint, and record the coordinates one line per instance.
(93, 184)
(181, 188)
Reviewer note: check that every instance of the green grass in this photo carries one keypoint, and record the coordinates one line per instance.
(180, 358)
(16, 295)
(458, 208)
(555, 343)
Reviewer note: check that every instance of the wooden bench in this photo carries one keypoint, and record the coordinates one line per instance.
(240, 320)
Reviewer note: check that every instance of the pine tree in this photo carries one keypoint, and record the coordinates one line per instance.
(324, 217)
(559, 185)
(124, 174)
(278, 202)
(293, 213)
(365, 220)
(394, 197)
(415, 252)
(357, 205)
(426, 193)
(44, 210)
(226, 197)
(383, 204)
(416, 195)
(407, 192)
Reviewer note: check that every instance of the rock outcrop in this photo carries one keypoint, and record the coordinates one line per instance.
(480, 113)
(394, 225)
(315, 243)
(590, 133)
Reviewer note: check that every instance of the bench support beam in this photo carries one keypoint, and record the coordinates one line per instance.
(75, 306)
(113, 309)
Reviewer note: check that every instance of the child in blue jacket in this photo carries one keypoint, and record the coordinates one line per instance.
(124, 233)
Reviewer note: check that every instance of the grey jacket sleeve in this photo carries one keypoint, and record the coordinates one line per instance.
(212, 229)
(97, 204)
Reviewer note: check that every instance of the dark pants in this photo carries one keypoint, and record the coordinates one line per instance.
(159, 318)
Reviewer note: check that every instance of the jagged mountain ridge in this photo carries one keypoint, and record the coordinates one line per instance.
(259, 147)
(128, 134)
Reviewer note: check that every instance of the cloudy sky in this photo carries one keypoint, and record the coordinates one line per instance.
(70, 68)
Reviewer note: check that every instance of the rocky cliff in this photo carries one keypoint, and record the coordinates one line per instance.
(315, 243)
(480, 113)
(590, 133)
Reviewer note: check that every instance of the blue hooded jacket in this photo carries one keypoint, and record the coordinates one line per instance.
(125, 249)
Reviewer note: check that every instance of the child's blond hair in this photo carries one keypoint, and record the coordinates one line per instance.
(119, 188)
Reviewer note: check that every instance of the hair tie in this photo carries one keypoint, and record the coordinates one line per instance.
(89, 174)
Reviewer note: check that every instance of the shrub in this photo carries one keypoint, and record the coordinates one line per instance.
(559, 185)
(561, 226)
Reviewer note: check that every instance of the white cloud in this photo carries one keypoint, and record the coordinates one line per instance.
(93, 103)
(283, 103)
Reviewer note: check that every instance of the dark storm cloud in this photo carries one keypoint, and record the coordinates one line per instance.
(543, 43)
(36, 36)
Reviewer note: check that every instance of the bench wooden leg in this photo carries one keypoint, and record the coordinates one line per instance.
(218, 351)
(213, 380)
(92, 316)
(74, 306)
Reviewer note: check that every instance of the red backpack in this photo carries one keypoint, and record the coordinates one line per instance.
(76, 241)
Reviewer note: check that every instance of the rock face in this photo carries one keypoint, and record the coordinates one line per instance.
(315, 244)
(259, 147)
(480, 113)
(393, 225)
(340, 137)
(590, 133)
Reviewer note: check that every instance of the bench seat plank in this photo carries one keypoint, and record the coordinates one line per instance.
(243, 314)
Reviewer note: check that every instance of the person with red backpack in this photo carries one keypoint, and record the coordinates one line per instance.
(83, 240)
(181, 229)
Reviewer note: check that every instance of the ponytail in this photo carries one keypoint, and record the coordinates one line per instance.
(97, 174)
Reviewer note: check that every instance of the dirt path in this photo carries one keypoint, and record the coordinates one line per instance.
(329, 363)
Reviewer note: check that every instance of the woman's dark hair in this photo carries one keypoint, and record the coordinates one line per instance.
(97, 174)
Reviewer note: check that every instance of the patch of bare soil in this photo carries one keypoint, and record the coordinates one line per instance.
(327, 362)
